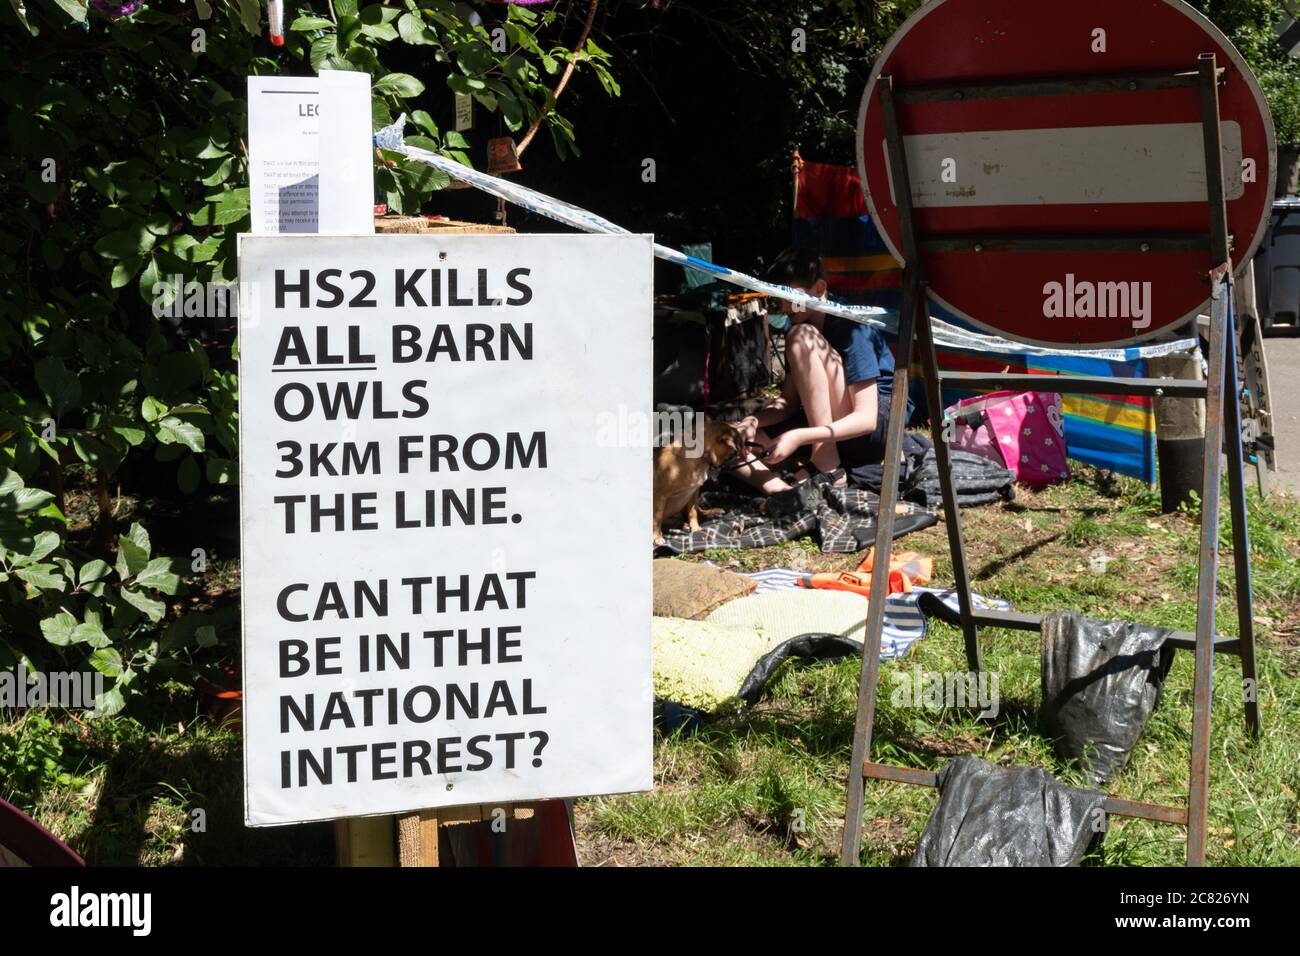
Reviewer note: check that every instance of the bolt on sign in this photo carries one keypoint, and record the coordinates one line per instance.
(446, 597)
(994, 161)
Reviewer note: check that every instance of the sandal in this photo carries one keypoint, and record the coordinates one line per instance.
(803, 497)
(792, 502)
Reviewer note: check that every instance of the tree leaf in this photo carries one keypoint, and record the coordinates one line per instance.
(10, 481)
(311, 23)
(322, 49)
(109, 703)
(131, 558)
(188, 475)
(250, 15)
(92, 571)
(61, 387)
(25, 499)
(126, 243)
(151, 409)
(231, 207)
(89, 632)
(107, 661)
(58, 630)
(176, 431)
(44, 543)
(415, 31)
(402, 84)
(140, 537)
(153, 610)
(96, 453)
(157, 576)
(222, 471)
(20, 11)
(44, 577)
(465, 84)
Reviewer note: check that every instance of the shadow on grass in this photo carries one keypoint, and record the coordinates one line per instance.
(997, 565)
(1015, 507)
(828, 732)
(195, 818)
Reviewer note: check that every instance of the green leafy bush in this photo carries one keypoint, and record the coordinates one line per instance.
(1251, 25)
(124, 166)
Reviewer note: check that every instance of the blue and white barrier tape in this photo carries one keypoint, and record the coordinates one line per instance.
(945, 334)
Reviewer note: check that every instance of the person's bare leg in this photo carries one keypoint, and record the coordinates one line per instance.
(818, 373)
(758, 475)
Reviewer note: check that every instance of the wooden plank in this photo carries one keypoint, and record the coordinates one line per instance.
(365, 841)
(417, 839)
(422, 225)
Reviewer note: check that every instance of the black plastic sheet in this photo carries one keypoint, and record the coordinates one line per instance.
(817, 647)
(1101, 682)
(1008, 816)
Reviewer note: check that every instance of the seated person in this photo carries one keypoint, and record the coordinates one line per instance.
(835, 400)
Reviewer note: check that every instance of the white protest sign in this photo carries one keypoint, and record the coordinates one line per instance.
(309, 154)
(446, 589)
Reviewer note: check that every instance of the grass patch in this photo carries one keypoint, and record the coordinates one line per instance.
(767, 786)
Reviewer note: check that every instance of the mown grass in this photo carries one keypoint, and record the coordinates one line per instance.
(767, 786)
(148, 793)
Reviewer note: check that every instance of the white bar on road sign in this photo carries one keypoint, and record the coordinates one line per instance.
(1162, 163)
(446, 579)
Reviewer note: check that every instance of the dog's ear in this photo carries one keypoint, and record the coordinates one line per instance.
(724, 448)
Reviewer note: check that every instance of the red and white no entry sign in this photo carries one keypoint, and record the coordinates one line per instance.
(1040, 163)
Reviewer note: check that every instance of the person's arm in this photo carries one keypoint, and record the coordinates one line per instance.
(774, 412)
(862, 367)
(861, 421)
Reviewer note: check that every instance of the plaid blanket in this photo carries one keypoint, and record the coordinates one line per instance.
(843, 521)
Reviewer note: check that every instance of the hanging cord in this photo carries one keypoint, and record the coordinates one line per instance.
(564, 80)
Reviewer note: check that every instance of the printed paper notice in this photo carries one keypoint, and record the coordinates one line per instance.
(285, 156)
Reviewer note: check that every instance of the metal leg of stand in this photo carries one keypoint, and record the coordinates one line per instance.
(851, 844)
(951, 511)
(1240, 529)
(1202, 691)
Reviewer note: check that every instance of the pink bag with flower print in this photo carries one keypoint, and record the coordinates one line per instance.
(1023, 430)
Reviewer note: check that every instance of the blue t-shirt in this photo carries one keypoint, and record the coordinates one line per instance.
(866, 357)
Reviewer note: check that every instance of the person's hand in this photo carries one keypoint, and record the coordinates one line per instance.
(784, 446)
(748, 428)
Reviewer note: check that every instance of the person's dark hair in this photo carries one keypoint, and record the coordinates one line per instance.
(797, 266)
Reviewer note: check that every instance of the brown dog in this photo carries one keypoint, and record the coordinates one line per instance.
(679, 475)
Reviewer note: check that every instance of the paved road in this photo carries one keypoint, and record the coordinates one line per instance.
(1283, 358)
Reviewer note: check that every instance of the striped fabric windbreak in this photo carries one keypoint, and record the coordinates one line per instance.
(1114, 432)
